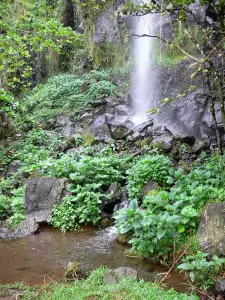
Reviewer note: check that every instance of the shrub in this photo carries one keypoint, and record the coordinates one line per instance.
(174, 214)
(202, 270)
(152, 167)
(4, 205)
(17, 205)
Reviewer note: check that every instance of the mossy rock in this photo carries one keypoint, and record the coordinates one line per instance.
(124, 238)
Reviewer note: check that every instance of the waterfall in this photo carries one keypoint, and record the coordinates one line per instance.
(142, 87)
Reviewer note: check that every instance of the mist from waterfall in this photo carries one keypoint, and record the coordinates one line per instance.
(141, 88)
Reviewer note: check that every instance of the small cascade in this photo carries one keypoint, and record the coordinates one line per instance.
(118, 206)
(142, 89)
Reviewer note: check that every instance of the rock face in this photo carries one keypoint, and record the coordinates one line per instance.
(40, 195)
(212, 228)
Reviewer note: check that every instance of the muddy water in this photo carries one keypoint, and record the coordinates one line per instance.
(41, 258)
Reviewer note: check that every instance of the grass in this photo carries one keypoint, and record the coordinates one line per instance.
(94, 288)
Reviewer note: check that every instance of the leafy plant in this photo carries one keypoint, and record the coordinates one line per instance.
(4, 205)
(77, 210)
(174, 214)
(152, 167)
(17, 205)
(202, 270)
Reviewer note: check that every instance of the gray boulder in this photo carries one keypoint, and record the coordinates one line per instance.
(102, 133)
(211, 229)
(26, 227)
(119, 132)
(148, 187)
(13, 168)
(220, 287)
(115, 276)
(41, 194)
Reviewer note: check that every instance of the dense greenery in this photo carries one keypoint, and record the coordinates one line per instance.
(95, 288)
(66, 93)
(173, 214)
(28, 30)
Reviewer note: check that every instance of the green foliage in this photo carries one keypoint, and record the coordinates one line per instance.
(29, 28)
(4, 205)
(152, 167)
(17, 205)
(94, 287)
(8, 104)
(65, 92)
(77, 210)
(101, 89)
(202, 270)
(174, 214)
(89, 177)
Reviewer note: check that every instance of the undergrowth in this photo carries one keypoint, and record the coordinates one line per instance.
(94, 288)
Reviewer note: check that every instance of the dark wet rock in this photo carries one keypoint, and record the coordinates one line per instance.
(143, 126)
(220, 287)
(119, 132)
(41, 194)
(13, 168)
(86, 118)
(211, 229)
(130, 101)
(186, 139)
(115, 276)
(112, 195)
(124, 238)
(149, 187)
(102, 134)
(162, 138)
(200, 146)
(99, 102)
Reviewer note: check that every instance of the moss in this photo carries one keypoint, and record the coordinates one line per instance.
(88, 138)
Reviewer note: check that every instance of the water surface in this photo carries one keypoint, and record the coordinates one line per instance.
(38, 259)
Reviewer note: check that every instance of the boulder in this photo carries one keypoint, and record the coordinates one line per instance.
(115, 276)
(26, 227)
(119, 132)
(99, 102)
(220, 287)
(102, 133)
(186, 139)
(141, 127)
(148, 187)
(13, 168)
(41, 194)
(211, 229)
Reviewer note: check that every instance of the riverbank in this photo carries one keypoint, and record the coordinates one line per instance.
(94, 288)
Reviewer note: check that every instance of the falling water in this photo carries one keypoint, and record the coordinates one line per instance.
(142, 92)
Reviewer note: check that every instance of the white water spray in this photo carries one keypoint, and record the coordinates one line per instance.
(142, 76)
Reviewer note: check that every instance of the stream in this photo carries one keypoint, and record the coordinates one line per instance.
(41, 258)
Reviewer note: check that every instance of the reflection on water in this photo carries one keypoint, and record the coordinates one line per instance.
(41, 258)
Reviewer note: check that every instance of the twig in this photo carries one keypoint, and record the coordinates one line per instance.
(197, 289)
(176, 261)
